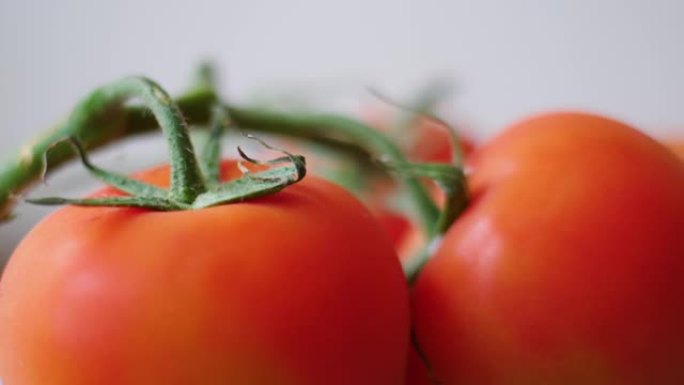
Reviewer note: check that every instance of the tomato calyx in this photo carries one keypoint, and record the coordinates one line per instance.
(195, 184)
(450, 178)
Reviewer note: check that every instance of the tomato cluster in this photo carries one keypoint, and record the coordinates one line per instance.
(566, 267)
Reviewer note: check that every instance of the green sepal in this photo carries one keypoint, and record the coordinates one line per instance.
(159, 204)
(286, 170)
(450, 179)
(428, 98)
(250, 185)
(254, 185)
(119, 181)
(210, 158)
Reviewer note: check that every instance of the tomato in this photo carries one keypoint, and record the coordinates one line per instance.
(568, 266)
(417, 372)
(397, 226)
(299, 287)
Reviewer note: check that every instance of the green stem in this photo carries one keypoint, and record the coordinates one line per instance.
(423, 105)
(451, 180)
(338, 128)
(107, 124)
(204, 78)
(186, 179)
(115, 123)
(210, 158)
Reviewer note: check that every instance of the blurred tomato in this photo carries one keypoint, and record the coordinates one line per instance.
(568, 266)
(396, 225)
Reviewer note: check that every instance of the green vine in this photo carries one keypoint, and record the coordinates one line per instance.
(103, 123)
(103, 118)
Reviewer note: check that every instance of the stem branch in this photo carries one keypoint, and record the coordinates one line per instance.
(98, 123)
(107, 123)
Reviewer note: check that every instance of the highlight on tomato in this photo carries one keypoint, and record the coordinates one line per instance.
(566, 267)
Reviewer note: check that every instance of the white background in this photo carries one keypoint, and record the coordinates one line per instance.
(509, 57)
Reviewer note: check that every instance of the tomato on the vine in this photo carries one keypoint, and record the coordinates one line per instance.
(299, 287)
(568, 265)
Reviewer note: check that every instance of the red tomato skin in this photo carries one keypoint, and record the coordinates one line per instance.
(300, 287)
(396, 225)
(568, 266)
(417, 373)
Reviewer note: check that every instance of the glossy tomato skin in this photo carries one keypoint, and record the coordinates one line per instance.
(568, 266)
(297, 288)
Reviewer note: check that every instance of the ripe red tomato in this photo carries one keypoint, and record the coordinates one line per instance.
(300, 287)
(568, 266)
(397, 226)
(417, 372)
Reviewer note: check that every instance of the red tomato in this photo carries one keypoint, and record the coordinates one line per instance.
(397, 226)
(568, 266)
(300, 287)
(417, 372)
